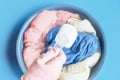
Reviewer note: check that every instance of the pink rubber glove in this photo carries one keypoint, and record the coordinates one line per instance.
(46, 67)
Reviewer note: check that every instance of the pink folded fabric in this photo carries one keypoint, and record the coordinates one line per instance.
(34, 36)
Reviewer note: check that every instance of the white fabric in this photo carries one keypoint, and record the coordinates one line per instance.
(82, 25)
(81, 70)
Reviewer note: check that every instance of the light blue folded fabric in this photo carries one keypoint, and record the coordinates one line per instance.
(84, 46)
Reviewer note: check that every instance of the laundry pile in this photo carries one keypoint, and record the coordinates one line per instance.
(40, 42)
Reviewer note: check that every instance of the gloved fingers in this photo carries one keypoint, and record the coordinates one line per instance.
(58, 60)
(50, 54)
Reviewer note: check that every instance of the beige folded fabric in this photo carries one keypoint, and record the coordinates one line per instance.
(92, 60)
(75, 72)
(82, 25)
(80, 70)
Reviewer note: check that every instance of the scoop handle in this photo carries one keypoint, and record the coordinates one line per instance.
(58, 46)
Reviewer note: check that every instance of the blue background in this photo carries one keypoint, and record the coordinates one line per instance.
(13, 13)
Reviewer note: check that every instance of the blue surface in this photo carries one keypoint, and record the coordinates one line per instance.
(13, 13)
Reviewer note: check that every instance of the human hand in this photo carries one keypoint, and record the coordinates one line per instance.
(47, 66)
